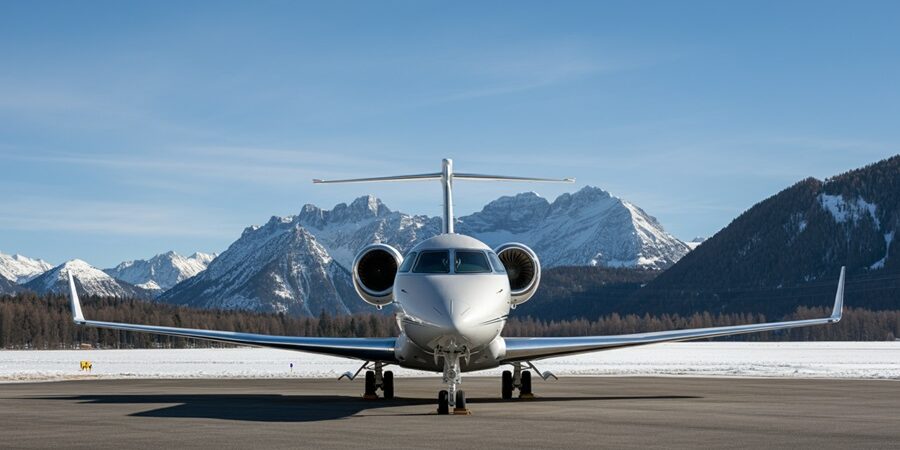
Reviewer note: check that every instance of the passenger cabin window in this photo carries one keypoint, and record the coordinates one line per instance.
(407, 262)
(437, 261)
(498, 265)
(471, 261)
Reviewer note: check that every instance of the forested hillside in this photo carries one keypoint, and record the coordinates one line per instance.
(788, 249)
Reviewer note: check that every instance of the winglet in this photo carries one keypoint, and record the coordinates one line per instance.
(77, 316)
(839, 298)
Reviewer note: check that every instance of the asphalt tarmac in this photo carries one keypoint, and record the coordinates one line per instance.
(575, 412)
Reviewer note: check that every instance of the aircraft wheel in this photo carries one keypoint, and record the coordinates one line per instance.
(388, 387)
(443, 403)
(526, 383)
(460, 400)
(370, 383)
(506, 385)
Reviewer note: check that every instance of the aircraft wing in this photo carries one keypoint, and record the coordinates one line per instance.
(528, 349)
(367, 349)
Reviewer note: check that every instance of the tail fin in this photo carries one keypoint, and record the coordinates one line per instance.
(446, 177)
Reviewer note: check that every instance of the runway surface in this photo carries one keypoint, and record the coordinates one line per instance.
(576, 412)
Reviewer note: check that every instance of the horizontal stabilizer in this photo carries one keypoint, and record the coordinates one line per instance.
(419, 177)
(480, 177)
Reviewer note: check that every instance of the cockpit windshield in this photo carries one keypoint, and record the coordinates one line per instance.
(435, 261)
(407, 262)
(471, 261)
(498, 265)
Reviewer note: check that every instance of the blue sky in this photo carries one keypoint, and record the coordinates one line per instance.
(131, 129)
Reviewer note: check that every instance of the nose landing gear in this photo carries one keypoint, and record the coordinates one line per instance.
(453, 397)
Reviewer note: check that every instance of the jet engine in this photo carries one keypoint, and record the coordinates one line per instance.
(374, 270)
(522, 268)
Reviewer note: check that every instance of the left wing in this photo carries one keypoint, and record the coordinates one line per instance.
(526, 349)
(368, 349)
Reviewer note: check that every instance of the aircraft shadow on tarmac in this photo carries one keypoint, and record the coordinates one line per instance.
(295, 408)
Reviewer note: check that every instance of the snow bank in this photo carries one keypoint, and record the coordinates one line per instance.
(870, 360)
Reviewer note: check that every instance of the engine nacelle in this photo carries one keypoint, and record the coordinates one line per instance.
(522, 268)
(374, 270)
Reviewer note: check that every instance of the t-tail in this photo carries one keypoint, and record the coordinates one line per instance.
(446, 176)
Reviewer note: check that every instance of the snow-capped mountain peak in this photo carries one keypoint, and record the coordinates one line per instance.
(21, 269)
(162, 271)
(89, 279)
(588, 227)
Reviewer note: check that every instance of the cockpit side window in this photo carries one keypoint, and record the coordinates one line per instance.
(435, 261)
(407, 262)
(495, 261)
(470, 261)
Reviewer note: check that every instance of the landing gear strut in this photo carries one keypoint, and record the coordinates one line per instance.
(452, 398)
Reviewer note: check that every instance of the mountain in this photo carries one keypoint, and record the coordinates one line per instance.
(8, 287)
(587, 228)
(161, 272)
(88, 279)
(300, 264)
(21, 269)
(279, 267)
(788, 249)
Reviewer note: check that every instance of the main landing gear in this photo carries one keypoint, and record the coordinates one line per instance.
(376, 378)
(521, 380)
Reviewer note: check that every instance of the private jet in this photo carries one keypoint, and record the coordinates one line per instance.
(452, 295)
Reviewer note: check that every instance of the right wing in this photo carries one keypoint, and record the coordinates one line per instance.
(526, 349)
(367, 349)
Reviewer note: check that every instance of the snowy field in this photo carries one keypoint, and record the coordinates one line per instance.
(869, 360)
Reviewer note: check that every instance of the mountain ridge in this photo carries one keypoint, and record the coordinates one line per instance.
(253, 273)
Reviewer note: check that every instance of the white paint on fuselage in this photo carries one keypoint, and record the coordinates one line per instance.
(441, 310)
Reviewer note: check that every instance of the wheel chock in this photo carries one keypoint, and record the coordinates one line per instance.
(461, 412)
(526, 396)
(370, 397)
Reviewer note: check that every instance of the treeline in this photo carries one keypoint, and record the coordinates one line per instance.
(856, 325)
(31, 322)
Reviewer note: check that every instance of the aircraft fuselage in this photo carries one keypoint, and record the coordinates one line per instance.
(449, 305)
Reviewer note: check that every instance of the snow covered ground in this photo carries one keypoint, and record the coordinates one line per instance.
(871, 360)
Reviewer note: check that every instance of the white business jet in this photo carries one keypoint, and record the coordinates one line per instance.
(452, 295)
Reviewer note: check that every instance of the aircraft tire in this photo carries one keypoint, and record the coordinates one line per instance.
(443, 403)
(460, 400)
(370, 383)
(506, 385)
(526, 383)
(388, 387)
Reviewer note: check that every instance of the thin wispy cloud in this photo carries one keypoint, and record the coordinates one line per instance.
(535, 65)
(102, 217)
(242, 164)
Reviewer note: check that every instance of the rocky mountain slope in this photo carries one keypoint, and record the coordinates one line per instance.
(587, 228)
(161, 272)
(279, 267)
(89, 280)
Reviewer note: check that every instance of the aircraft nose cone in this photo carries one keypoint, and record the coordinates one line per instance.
(453, 316)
